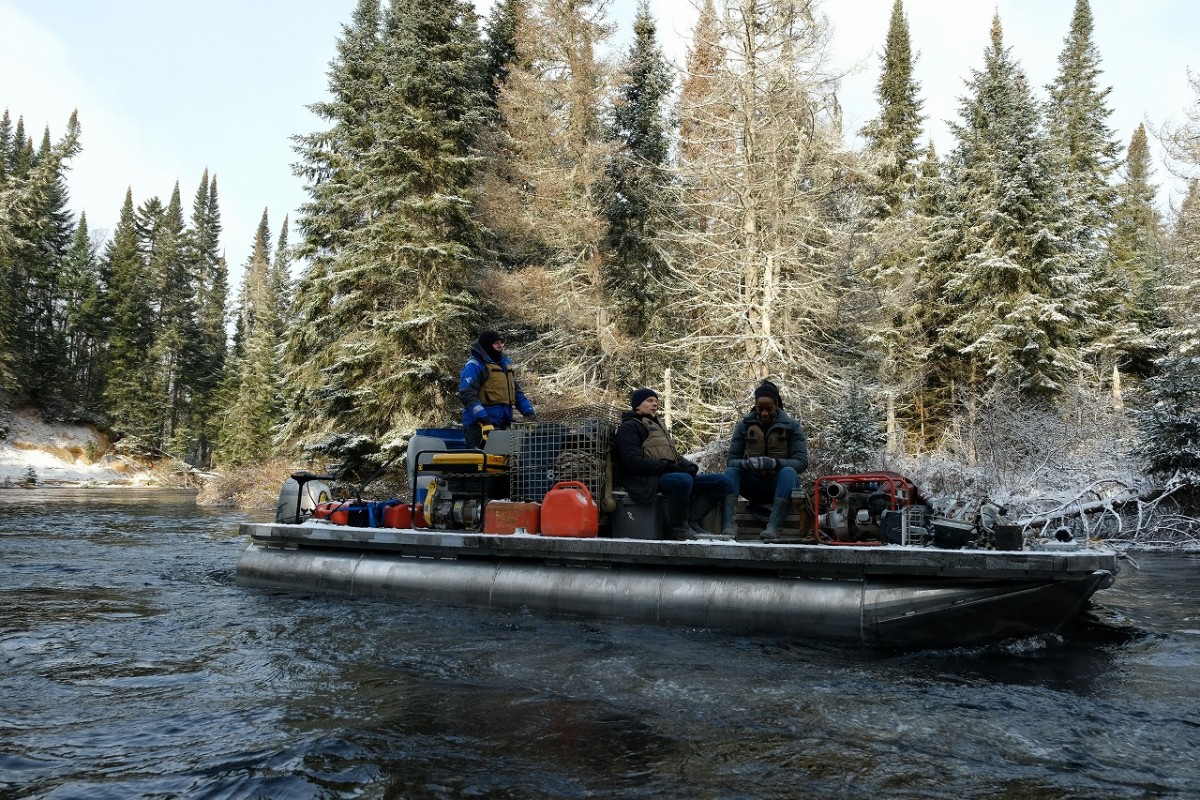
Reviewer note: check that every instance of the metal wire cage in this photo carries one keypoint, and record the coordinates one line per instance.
(569, 445)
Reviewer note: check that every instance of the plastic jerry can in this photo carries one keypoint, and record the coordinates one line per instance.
(505, 516)
(397, 515)
(336, 513)
(568, 510)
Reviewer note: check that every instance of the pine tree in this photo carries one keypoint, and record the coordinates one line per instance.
(128, 392)
(501, 31)
(211, 276)
(83, 301)
(401, 276)
(252, 404)
(35, 233)
(1009, 243)
(1077, 118)
(892, 138)
(330, 165)
(636, 180)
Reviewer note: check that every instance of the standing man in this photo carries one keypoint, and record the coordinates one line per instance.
(650, 465)
(766, 456)
(489, 390)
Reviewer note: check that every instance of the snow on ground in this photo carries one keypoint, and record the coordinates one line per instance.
(65, 455)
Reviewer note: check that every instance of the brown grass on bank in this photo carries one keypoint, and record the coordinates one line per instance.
(248, 486)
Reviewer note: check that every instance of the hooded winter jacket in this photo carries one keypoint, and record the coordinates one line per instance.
(488, 390)
(782, 440)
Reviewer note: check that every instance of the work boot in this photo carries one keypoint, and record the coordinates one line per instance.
(698, 531)
(677, 524)
(729, 516)
(779, 510)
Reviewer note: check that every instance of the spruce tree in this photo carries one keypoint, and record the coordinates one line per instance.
(389, 348)
(211, 277)
(83, 302)
(252, 397)
(1009, 243)
(636, 180)
(501, 32)
(1077, 118)
(128, 392)
(892, 138)
(330, 164)
(1135, 245)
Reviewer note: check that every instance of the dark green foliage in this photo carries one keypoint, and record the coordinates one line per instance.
(1170, 420)
(36, 231)
(384, 308)
(893, 137)
(636, 181)
(211, 277)
(128, 391)
(1006, 245)
(501, 30)
(252, 397)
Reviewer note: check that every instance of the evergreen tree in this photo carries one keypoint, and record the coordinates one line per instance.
(636, 180)
(281, 279)
(1170, 422)
(501, 31)
(176, 332)
(1077, 118)
(892, 138)
(83, 301)
(128, 392)
(401, 279)
(211, 280)
(1008, 243)
(35, 233)
(330, 164)
(252, 406)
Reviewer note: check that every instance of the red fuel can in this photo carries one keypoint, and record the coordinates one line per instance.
(397, 516)
(568, 510)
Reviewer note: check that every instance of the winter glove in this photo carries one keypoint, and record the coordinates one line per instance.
(669, 466)
(485, 428)
(689, 467)
(762, 465)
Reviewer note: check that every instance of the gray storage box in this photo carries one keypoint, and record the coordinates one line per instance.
(633, 521)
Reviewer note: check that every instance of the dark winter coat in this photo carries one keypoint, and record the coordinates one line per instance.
(640, 466)
(479, 369)
(783, 440)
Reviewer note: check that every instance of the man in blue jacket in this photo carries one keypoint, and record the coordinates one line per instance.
(489, 390)
(766, 456)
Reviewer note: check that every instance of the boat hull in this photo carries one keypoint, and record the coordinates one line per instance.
(869, 595)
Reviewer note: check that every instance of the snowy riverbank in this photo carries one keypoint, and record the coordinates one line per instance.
(58, 454)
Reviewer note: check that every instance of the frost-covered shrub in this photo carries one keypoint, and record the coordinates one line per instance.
(1169, 421)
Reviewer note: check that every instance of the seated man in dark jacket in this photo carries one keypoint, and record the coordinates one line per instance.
(650, 465)
(766, 456)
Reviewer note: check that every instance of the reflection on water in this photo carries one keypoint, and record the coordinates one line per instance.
(134, 666)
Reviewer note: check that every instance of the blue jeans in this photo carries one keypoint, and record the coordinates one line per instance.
(762, 491)
(680, 488)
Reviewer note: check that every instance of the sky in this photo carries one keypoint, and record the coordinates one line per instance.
(167, 89)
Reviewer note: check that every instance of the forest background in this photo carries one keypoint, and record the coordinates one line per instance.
(1013, 311)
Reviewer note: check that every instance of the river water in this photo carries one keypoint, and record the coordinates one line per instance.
(133, 666)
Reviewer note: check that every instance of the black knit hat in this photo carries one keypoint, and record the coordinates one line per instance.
(489, 338)
(639, 396)
(768, 389)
